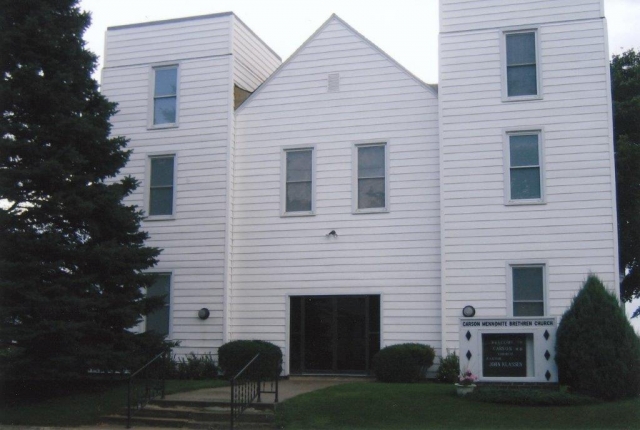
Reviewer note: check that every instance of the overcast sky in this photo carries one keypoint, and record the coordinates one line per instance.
(407, 30)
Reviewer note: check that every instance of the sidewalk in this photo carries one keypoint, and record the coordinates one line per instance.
(287, 389)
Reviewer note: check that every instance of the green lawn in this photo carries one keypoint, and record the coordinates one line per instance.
(83, 408)
(367, 405)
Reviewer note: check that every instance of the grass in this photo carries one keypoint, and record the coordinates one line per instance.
(530, 397)
(367, 405)
(82, 406)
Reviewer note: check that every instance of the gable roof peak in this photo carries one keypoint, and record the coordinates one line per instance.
(335, 17)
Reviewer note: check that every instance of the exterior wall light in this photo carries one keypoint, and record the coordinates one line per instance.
(468, 311)
(203, 313)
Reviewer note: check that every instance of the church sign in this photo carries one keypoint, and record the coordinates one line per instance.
(509, 349)
(504, 354)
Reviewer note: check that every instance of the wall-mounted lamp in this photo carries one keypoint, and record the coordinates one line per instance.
(203, 313)
(468, 311)
(332, 233)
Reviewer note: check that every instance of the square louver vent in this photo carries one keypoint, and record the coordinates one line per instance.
(333, 82)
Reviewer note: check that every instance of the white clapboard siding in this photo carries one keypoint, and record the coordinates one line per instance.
(167, 41)
(194, 242)
(575, 231)
(196, 247)
(465, 15)
(254, 61)
(395, 254)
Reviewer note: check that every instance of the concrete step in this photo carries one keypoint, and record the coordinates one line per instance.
(138, 421)
(165, 403)
(205, 414)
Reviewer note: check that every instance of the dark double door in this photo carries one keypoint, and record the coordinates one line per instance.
(334, 334)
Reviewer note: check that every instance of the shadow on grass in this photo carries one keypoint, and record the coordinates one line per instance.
(46, 403)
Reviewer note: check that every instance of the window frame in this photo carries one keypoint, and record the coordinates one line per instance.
(147, 188)
(355, 177)
(152, 96)
(544, 264)
(170, 302)
(283, 180)
(503, 60)
(507, 133)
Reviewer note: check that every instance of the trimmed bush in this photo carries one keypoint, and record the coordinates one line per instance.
(405, 362)
(597, 350)
(234, 356)
(449, 369)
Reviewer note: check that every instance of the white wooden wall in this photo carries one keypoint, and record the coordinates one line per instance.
(466, 15)
(254, 60)
(395, 254)
(575, 231)
(194, 243)
(231, 251)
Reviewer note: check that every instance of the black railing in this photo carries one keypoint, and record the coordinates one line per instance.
(146, 384)
(246, 388)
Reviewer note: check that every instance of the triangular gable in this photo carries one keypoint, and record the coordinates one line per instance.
(331, 19)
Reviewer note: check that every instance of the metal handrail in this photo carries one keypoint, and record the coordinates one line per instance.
(249, 390)
(150, 391)
(245, 367)
(147, 365)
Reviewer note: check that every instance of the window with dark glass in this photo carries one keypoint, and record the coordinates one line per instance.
(158, 320)
(161, 185)
(522, 71)
(165, 95)
(528, 291)
(371, 177)
(299, 177)
(524, 167)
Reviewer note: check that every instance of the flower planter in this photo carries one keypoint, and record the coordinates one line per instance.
(463, 390)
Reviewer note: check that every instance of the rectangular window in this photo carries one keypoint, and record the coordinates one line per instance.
(299, 181)
(158, 320)
(161, 187)
(525, 172)
(371, 177)
(165, 95)
(528, 290)
(521, 64)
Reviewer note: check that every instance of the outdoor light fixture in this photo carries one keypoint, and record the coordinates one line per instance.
(468, 311)
(203, 313)
(332, 233)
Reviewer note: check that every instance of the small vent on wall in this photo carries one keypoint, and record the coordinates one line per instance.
(334, 82)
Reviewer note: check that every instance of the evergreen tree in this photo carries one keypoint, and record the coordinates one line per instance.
(625, 77)
(71, 253)
(597, 350)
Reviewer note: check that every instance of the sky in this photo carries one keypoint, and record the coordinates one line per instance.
(407, 30)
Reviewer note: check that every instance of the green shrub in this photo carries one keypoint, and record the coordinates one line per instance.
(405, 362)
(192, 367)
(449, 369)
(597, 350)
(234, 356)
(529, 397)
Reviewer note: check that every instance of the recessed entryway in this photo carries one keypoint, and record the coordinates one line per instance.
(334, 334)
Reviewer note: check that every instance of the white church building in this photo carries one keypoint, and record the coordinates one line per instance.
(335, 204)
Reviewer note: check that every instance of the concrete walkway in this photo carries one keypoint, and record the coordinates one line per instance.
(287, 389)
